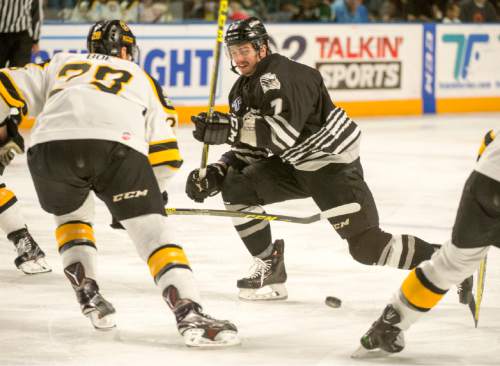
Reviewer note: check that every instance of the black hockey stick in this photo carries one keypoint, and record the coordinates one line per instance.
(332, 212)
(221, 21)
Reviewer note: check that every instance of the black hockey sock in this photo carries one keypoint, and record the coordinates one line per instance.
(423, 251)
(256, 236)
(405, 252)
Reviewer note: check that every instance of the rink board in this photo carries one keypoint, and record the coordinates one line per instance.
(372, 69)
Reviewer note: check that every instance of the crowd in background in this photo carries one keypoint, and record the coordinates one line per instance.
(340, 11)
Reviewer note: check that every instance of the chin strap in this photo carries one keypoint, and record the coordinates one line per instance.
(233, 68)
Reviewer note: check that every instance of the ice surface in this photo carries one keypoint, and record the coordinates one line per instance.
(415, 167)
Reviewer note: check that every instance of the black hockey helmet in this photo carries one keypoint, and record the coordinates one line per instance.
(107, 37)
(247, 30)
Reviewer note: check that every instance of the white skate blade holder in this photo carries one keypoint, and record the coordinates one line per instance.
(226, 338)
(363, 353)
(275, 291)
(35, 266)
(105, 323)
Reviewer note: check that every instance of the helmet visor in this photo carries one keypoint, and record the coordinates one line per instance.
(135, 53)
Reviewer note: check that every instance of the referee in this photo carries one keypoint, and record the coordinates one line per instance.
(20, 22)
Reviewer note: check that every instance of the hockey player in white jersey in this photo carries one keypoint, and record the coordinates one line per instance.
(99, 118)
(476, 229)
(30, 257)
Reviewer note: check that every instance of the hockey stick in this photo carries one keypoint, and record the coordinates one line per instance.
(481, 273)
(332, 212)
(221, 21)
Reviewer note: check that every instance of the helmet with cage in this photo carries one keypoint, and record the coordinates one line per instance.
(107, 37)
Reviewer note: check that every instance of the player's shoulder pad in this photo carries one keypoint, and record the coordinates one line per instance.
(160, 93)
(272, 77)
(42, 64)
(269, 81)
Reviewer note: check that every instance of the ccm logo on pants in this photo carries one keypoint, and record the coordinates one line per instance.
(340, 225)
(129, 195)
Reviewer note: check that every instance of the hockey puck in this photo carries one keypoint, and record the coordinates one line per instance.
(333, 302)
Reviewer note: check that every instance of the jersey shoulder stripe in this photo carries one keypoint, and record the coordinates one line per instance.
(11, 94)
(165, 102)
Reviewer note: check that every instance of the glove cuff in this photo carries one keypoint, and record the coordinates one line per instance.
(221, 168)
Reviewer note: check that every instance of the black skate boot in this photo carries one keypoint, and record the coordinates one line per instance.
(197, 328)
(267, 277)
(464, 291)
(383, 337)
(93, 305)
(30, 258)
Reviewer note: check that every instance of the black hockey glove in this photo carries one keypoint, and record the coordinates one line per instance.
(222, 128)
(115, 224)
(14, 143)
(200, 188)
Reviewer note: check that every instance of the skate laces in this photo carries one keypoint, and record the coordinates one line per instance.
(24, 245)
(259, 268)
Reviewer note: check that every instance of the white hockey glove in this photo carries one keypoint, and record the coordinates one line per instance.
(14, 142)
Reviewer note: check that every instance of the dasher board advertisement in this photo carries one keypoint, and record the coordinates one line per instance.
(180, 57)
(468, 61)
(358, 62)
(364, 62)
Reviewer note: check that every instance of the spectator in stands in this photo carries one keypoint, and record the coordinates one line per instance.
(452, 12)
(285, 13)
(236, 11)
(325, 10)
(256, 8)
(113, 10)
(60, 8)
(130, 11)
(308, 11)
(374, 8)
(422, 11)
(392, 11)
(209, 10)
(151, 11)
(193, 9)
(349, 11)
(477, 11)
(98, 11)
(80, 12)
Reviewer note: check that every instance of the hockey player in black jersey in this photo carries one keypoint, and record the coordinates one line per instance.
(289, 141)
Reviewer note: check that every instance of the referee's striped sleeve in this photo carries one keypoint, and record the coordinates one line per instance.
(21, 15)
(36, 19)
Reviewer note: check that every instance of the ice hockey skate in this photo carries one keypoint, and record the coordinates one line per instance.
(92, 303)
(267, 277)
(464, 291)
(199, 329)
(383, 338)
(30, 258)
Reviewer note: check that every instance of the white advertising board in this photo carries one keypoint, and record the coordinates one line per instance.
(467, 61)
(180, 57)
(358, 62)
